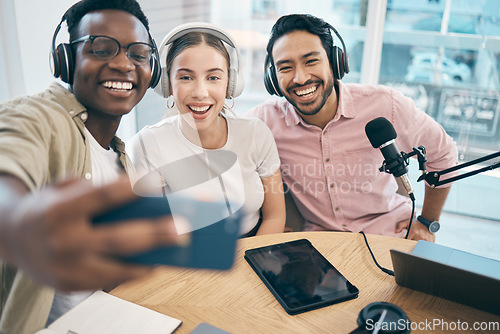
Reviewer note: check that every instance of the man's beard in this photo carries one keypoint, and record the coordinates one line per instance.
(327, 92)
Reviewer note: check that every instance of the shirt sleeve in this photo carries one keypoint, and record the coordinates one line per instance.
(24, 144)
(147, 179)
(416, 128)
(268, 161)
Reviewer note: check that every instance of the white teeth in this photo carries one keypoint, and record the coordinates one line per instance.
(199, 109)
(305, 91)
(118, 85)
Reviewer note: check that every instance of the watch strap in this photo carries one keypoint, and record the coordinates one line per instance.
(427, 223)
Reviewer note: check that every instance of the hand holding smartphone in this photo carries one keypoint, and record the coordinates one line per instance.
(212, 246)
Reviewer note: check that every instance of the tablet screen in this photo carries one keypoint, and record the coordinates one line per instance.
(299, 276)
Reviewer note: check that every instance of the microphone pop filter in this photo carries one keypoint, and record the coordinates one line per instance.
(379, 131)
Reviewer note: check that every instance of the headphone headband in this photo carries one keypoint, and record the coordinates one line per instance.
(58, 28)
(235, 86)
(346, 58)
(186, 28)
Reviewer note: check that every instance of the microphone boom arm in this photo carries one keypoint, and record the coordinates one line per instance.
(433, 178)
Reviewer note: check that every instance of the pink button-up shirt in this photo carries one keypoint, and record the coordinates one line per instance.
(333, 173)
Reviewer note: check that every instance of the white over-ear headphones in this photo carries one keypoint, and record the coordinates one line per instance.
(235, 85)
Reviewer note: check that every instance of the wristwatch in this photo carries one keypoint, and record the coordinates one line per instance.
(433, 226)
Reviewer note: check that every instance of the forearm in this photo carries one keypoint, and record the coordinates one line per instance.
(50, 237)
(12, 190)
(433, 202)
(272, 225)
(273, 208)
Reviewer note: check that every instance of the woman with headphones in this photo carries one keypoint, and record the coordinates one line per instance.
(203, 151)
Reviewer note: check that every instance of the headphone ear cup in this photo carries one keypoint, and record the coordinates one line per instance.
(270, 80)
(235, 84)
(231, 84)
(345, 62)
(337, 63)
(155, 72)
(63, 63)
(55, 64)
(163, 87)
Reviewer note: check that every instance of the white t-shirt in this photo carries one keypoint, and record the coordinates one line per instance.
(164, 157)
(106, 168)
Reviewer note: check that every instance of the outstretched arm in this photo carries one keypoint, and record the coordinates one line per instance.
(49, 234)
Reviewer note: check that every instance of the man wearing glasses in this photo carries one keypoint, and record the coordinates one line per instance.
(51, 145)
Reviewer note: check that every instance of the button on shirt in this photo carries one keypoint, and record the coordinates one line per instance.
(333, 174)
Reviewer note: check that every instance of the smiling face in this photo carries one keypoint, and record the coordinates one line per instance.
(304, 73)
(109, 88)
(199, 79)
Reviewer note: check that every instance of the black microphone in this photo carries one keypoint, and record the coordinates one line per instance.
(382, 135)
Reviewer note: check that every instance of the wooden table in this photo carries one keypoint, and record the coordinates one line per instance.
(237, 301)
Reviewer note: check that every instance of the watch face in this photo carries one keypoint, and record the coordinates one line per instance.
(434, 227)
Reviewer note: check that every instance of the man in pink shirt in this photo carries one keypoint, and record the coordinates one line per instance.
(327, 161)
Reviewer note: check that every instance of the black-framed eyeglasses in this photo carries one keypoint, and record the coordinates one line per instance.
(106, 48)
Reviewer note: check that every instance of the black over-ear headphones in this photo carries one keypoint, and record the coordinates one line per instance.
(62, 63)
(339, 63)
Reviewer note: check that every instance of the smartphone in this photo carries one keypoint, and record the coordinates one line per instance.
(214, 231)
(300, 277)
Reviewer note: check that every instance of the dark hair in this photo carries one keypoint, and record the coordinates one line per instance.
(293, 22)
(192, 39)
(75, 13)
